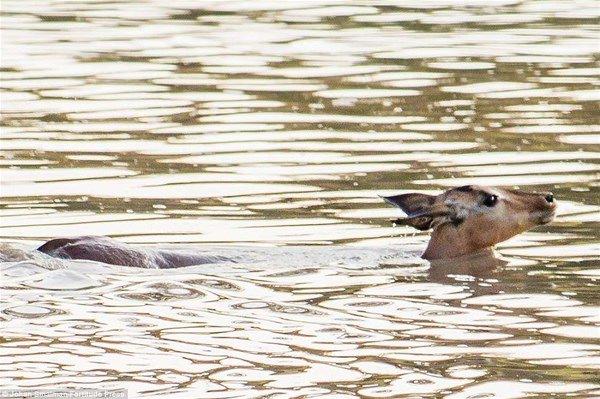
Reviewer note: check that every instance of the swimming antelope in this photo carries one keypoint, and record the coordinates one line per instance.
(463, 220)
(468, 219)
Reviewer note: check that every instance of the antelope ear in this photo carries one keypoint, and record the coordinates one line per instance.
(417, 207)
(420, 222)
(413, 203)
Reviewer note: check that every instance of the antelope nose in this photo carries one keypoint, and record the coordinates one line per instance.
(549, 197)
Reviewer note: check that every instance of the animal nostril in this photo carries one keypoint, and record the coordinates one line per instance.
(549, 197)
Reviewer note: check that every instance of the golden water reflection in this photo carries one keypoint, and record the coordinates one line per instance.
(250, 127)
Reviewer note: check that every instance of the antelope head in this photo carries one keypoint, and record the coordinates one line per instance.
(468, 219)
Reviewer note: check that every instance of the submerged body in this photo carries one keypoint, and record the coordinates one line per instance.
(111, 251)
(463, 220)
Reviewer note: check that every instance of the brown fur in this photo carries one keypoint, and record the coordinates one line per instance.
(108, 250)
(462, 224)
(460, 221)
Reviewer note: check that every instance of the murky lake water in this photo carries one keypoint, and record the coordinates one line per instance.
(258, 126)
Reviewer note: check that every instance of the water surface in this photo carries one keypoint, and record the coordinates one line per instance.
(268, 129)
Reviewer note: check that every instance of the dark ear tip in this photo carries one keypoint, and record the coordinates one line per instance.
(386, 198)
(419, 223)
(410, 203)
(396, 200)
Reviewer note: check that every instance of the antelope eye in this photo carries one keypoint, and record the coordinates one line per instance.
(490, 200)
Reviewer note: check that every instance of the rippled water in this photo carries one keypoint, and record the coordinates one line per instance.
(245, 127)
